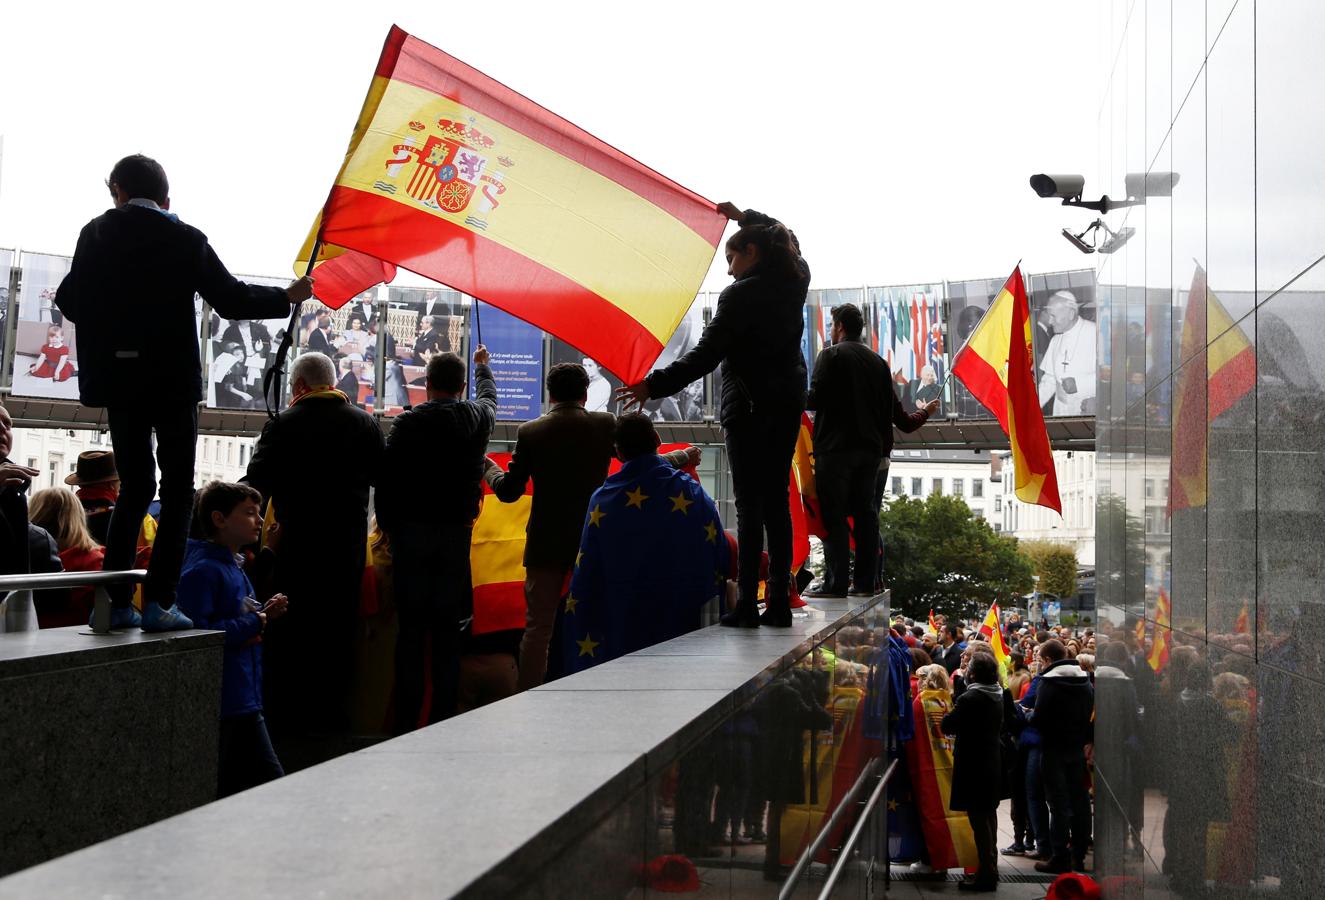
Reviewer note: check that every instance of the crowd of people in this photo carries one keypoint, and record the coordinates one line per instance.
(1019, 728)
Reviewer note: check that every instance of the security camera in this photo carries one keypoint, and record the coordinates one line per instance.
(1068, 187)
(1149, 184)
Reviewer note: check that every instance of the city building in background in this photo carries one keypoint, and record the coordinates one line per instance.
(916, 474)
(1076, 488)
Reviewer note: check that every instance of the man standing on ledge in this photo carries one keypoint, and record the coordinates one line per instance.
(856, 407)
(130, 292)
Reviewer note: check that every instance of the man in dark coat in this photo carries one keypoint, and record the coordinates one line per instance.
(977, 764)
(427, 501)
(856, 409)
(130, 290)
(319, 555)
(1064, 705)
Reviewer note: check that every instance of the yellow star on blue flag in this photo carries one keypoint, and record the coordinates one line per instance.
(643, 577)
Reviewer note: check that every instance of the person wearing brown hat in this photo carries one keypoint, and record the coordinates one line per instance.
(98, 486)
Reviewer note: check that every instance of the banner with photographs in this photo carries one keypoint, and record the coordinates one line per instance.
(420, 323)
(910, 337)
(1065, 341)
(45, 345)
(239, 352)
(516, 348)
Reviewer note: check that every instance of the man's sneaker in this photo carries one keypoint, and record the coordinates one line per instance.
(1039, 854)
(1017, 849)
(921, 868)
(157, 619)
(120, 617)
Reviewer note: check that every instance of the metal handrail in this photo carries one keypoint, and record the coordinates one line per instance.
(41, 581)
(803, 862)
(22, 586)
(845, 853)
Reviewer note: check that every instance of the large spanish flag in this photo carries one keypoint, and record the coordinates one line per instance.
(455, 176)
(948, 836)
(995, 365)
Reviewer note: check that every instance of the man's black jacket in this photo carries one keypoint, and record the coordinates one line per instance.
(756, 335)
(855, 403)
(1064, 706)
(314, 515)
(130, 292)
(432, 471)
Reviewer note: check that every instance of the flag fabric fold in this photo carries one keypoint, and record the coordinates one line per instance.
(996, 367)
(455, 176)
(993, 633)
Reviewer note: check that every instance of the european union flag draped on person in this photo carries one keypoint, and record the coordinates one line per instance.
(652, 553)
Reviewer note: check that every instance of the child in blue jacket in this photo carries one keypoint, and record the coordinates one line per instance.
(216, 594)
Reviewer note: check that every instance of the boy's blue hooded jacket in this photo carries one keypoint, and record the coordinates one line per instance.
(215, 593)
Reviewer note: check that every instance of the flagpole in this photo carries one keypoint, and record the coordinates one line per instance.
(271, 379)
(951, 368)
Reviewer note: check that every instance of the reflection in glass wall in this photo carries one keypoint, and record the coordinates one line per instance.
(45, 345)
(1209, 780)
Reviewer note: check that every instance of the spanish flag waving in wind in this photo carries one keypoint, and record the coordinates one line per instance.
(995, 365)
(455, 176)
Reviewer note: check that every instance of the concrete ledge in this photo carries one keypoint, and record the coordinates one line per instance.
(491, 803)
(102, 734)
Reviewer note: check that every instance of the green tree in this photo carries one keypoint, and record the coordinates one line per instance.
(938, 555)
(1055, 565)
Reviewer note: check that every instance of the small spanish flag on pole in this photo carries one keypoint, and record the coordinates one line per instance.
(993, 632)
(996, 367)
(933, 626)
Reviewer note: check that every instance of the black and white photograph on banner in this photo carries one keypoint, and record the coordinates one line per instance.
(686, 405)
(602, 383)
(46, 344)
(239, 352)
(420, 323)
(1065, 340)
(347, 336)
(967, 303)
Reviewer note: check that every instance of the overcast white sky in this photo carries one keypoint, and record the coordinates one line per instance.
(896, 138)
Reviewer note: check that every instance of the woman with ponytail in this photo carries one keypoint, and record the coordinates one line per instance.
(756, 336)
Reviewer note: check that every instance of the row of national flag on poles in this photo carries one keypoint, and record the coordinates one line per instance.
(908, 334)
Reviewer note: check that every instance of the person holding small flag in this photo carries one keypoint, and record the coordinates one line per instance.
(652, 553)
